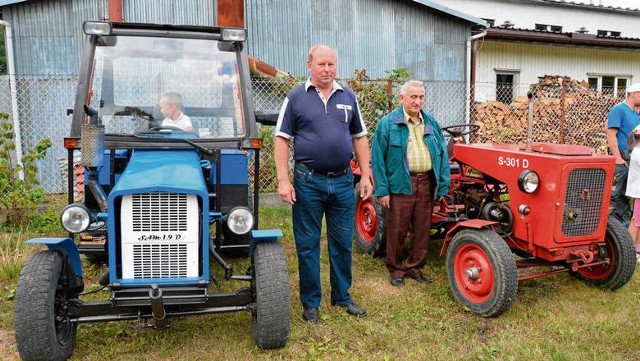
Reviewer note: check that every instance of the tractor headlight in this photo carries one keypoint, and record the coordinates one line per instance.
(528, 181)
(240, 220)
(97, 28)
(75, 218)
(230, 34)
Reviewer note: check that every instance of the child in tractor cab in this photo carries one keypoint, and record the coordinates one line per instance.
(633, 187)
(171, 108)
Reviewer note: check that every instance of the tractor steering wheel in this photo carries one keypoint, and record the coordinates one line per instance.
(159, 128)
(461, 129)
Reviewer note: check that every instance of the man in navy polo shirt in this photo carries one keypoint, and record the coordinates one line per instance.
(323, 120)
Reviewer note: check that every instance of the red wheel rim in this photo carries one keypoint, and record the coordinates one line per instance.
(474, 273)
(366, 220)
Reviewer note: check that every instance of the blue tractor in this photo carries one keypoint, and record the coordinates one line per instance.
(162, 202)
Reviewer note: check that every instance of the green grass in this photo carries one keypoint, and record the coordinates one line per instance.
(553, 318)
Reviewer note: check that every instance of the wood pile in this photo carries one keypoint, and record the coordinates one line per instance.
(564, 111)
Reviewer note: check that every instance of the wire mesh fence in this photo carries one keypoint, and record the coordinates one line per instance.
(564, 111)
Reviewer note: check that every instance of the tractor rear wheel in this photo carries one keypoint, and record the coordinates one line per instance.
(482, 272)
(270, 285)
(369, 227)
(619, 248)
(42, 324)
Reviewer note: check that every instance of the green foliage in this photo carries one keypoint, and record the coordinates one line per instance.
(18, 196)
(376, 96)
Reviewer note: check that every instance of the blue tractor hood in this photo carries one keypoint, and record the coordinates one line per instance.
(175, 171)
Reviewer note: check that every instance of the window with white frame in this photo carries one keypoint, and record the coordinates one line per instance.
(609, 84)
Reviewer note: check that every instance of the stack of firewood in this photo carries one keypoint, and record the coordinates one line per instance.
(564, 111)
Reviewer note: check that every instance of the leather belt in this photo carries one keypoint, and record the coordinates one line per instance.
(331, 174)
(420, 174)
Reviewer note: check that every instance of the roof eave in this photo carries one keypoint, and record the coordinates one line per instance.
(453, 12)
(525, 36)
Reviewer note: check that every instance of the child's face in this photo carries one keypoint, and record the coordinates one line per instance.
(169, 110)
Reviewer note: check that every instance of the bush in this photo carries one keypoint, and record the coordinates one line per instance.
(18, 195)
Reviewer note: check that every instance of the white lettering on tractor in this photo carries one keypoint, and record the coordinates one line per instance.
(513, 162)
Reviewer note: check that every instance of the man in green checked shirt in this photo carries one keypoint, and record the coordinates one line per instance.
(410, 168)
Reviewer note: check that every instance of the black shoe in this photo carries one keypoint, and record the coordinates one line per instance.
(311, 315)
(422, 280)
(398, 282)
(355, 310)
(104, 279)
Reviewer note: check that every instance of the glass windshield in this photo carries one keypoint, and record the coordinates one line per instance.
(143, 84)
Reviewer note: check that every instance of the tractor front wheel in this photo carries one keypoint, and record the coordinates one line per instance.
(270, 285)
(618, 247)
(482, 272)
(42, 324)
(369, 227)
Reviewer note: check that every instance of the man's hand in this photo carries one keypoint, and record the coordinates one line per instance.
(384, 201)
(286, 192)
(366, 189)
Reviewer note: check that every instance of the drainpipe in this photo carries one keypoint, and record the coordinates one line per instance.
(467, 111)
(14, 94)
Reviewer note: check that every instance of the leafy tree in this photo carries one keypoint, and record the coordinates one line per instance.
(19, 196)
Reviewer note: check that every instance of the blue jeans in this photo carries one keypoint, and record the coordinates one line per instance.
(318, 196)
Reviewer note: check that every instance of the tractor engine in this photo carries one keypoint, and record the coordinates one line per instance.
(482, 204)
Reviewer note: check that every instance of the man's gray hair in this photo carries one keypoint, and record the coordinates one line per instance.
(410, 83)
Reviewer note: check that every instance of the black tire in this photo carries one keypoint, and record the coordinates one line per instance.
(482, 272)
(369, 227)
(42, 327)
(619, 247)
(271, 315)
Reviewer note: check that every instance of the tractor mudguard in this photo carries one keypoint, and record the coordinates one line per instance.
(470, 223)
(64, 245)
(263, 235)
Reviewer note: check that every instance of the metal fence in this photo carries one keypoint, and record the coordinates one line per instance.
(565, 111)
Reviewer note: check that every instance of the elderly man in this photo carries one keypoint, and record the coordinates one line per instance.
(410, 171)
(324, 121)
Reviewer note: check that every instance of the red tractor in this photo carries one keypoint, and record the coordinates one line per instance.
(546, 203)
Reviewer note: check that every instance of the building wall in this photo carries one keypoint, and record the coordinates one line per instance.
(535, 60)
(376, 35)
(48, 36)
(176, 12)
(524, 14)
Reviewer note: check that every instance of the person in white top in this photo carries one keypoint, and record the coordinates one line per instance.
(171, 108)
(633, 187)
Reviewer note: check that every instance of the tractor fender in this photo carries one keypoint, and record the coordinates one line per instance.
(470, 223)
(264, 235)
(66, 246)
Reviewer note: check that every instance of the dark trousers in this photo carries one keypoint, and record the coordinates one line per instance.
(409, 211)
(619, 200)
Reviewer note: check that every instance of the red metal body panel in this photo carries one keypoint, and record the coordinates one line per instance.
(541, 231)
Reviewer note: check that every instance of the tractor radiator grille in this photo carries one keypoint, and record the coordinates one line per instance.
(160, 235)
(159, 212)
(583, 206)
(159, 260)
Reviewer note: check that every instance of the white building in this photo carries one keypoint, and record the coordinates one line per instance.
(532, 38)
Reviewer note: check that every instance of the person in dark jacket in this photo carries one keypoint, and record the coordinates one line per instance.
(410, 168)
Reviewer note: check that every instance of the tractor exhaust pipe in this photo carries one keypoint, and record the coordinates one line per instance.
(530, 122)
(157, 306)
(93, 154)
